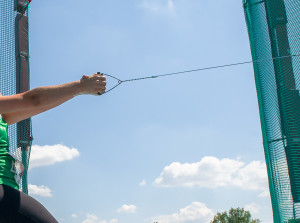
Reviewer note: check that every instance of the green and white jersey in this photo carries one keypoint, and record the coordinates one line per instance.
(8, 164)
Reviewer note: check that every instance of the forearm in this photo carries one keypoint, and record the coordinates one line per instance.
(43, 99)
(47, 96)
(14, 117)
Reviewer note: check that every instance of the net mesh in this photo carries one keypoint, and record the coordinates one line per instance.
(14, 74)
(274, 30)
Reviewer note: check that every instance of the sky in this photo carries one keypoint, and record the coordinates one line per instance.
(174, 149)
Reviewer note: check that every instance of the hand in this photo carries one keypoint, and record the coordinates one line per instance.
(94, 84)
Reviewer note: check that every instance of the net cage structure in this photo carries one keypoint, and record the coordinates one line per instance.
(274, 34)
(14, 74)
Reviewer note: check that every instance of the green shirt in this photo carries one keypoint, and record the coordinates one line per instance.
(8, 173)
(3, 133)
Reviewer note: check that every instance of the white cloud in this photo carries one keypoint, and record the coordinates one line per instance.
(265, 193)
(170, 4)
(131, 209)
(42, 191)
(195, 212)
(253, 208)
(212, 172)
(252, 177)
(209, 172)
(74, 215)
(49, 155)
(142, 183)
(158, 6)
(91, 218)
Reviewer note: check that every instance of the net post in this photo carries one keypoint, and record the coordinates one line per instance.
(24, 137)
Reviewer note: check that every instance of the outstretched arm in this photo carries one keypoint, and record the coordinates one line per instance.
(21, 106)
(14, 117)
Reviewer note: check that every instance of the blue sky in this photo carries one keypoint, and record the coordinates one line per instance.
(173, 149)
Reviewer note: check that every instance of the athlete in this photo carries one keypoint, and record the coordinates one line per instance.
(16, 206)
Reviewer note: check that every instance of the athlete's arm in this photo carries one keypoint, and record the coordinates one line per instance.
(14, 117)
(21, 106)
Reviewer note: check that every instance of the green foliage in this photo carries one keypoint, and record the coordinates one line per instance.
(238, 215)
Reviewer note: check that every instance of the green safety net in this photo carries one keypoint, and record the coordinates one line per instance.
(274, 33)
(14, 74)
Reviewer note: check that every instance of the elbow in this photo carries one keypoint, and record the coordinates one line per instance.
(8, 119)
(33, 100)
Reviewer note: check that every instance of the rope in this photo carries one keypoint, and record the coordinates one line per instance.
(189, 71)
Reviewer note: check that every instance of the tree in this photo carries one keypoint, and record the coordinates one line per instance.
(238, 215)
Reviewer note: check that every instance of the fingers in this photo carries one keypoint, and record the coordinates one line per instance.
(94, 84)
(100, 83)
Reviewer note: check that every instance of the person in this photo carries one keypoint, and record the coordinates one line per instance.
(16, 206)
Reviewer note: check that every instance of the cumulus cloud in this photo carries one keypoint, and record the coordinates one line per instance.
(212, 172)
(42, 191)
(49, 155)
(265, 193)
(131, 209)
(195, 212)
(91, 218)
(252, 176)
(157, 6)
(170, 3)
(253, 208)
(142, 183)
(74, 215)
